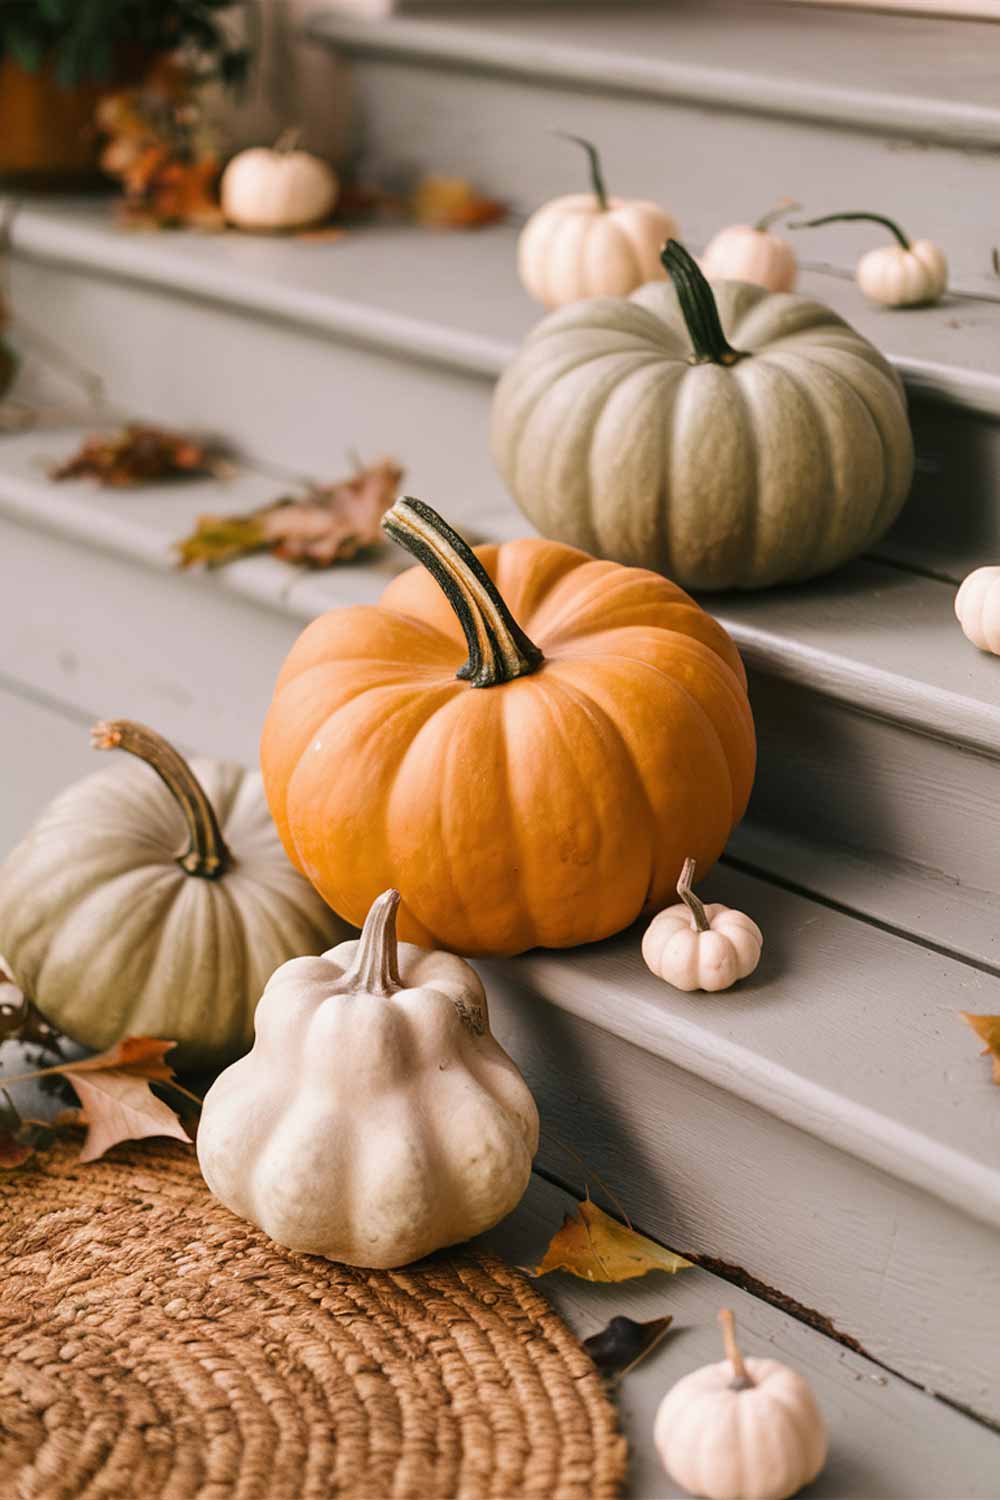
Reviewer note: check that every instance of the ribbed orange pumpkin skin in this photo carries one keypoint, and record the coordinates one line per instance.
(549, 810)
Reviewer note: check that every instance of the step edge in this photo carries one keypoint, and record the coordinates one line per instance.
(451, 43)
(962, 722)
(44, 237)
(855, 1129)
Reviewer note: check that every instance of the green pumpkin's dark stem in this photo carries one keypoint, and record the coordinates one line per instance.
(499, 650)
(375, 970)
(207, 853)
(698, 307)
(596, 175)
(889, 224)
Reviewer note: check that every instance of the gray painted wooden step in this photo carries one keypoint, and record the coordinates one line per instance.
(389, 338)
(717, 109)
(887, 1440)
(829, 1127)
(879, 724)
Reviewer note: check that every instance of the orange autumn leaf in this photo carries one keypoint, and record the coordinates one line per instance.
(596, 1247)
(329, 523)
(138, 454)
(452, 203)
(987, 1028)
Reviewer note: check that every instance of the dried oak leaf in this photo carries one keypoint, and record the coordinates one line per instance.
(329, 523)
(987, 1028)
(138, 454)
(117, 1102)
(453, 203)
(596, 1247)
(624, 1342)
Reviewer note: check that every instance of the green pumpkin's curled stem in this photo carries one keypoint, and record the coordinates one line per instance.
(499, 650)
(596, 175)
(207, 854)
(375, 970)
(742, 1379)
(889, 224)
(698, 307)
(691, 901)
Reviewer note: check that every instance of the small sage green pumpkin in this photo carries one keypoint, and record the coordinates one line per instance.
(139, 906)
(729, 437)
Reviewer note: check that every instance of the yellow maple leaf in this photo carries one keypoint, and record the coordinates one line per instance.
(987, 1028)
(596, 1247)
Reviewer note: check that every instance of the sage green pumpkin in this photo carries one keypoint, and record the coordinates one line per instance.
(157, 905)
(726, 436)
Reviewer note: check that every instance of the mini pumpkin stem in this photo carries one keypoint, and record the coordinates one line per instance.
(596, 175)
(289, 139)
(207, 854)
(375, 970)
(742, 1379)
(889, 224)
(691, 901)
(499, 650)
(786, 206)
(699, 309)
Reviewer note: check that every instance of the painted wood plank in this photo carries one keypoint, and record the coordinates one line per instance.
(887, 1439)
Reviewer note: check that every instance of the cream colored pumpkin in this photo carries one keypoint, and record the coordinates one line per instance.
(698, 947)
(726, 437)
(741, 1430)
(376, 1119)
(592, 245)
(908, 273)
(145, 907)
(273, 188)
(977, 606)
(752, 252)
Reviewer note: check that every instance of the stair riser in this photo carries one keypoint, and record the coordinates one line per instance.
(835, 776)
(304, 401)
(282, 395)
(914, 1281)
(710, 165)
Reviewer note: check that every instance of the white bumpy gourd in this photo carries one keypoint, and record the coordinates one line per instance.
(698, 947)
(376, 1118)
(977, 606)
(742, 1429)
(271, 188)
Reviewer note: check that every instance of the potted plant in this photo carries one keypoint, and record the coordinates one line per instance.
(57, 58)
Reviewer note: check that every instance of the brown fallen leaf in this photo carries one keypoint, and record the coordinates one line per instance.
(139, 454)
(623, 1343)
(116, 1101)
(987, 1028)
(329, 523)
(596, 1247)
(453, 203)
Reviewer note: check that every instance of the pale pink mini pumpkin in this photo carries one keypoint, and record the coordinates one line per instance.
(977, 606)
(698, 947)
(752, 252)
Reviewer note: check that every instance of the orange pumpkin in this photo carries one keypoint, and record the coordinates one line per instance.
(543, 791)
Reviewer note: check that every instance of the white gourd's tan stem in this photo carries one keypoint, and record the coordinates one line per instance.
(375, 970)
(698, 914)
(742, 1379)
(288, 140)
(499, 650)
(207, 854)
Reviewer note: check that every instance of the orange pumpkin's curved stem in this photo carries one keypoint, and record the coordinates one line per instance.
(499, 650)
(691, 901)
(207, 853)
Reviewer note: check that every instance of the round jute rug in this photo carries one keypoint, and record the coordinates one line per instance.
(153, 1346)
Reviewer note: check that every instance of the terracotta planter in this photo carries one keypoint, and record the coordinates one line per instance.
(47, 135)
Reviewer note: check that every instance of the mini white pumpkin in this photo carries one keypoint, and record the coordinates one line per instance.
(910, 273)
(741, 1430)
(977, 605)
(277, 187)
(376, 1119)
(751, 252)
(592, 245)
(698, 947)
(139, 906)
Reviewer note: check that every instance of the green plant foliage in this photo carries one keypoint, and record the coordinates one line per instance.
(85, 37)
